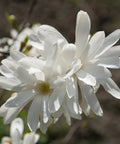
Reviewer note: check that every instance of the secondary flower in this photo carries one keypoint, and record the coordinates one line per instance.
(16, 132)
(20, 41)
(91, 58)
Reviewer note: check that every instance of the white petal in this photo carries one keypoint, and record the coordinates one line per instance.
(33, 62)
(110, 40)
(85, 106)
(19, 99)
(49, 35)
(10, 113)
(37, 136)
(110, 62)
(29, 138)
(82, 31)
(8, 84)
(16, 130)
(34, 114)
(37, 45)
(76, 65)
(57, 82)
(68, 53)
(95, 43)
(56, 99)
(6, 72)
(86, 78)
(10, 64)
(67, 116)
(47, 31)
(52, 56)
(16, 55)
(24, 76)
(110, 86)
(44, 126)
(73, 107)
(71, 87)
(45, 112)
(91, 99)
(98, 71)
(113, 51)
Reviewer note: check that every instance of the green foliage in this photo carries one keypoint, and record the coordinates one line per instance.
(4, 129)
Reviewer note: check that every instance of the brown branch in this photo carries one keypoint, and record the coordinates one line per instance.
(68, 137)
(29, 13)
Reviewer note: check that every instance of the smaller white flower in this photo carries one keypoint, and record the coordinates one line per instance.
(20, 38)
(16, 131)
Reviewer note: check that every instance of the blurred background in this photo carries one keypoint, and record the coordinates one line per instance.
(105, 15)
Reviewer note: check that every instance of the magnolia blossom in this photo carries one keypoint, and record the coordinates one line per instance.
(16, 132)
(38, 80)
(53, 81)
(20, 41)
(86, 62)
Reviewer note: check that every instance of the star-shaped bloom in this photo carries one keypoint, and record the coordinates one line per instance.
(16, 132)
(38, 80)
(86, 62)
(97, 54)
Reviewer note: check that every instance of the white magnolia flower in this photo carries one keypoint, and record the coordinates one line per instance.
(21, 41)
(16, 132)
(86, 62)
(38, 80)
(97, 55)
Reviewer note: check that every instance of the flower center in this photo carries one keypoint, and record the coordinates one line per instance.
(43, 88)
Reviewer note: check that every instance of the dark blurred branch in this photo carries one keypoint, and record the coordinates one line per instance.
(33, 3)
(69, 136)
(30, 11)
(72, 131)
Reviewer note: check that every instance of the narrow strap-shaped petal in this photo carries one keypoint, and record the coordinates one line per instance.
(110, 40)
(44, 126)
(95, 43)
(110, 62)
(10, 113)
(56, 99)
(111, 87)
(71, 87)
(8, 84)
(82, 31)
(73, 107)
(44, 106)
(98, 71)
(86, 78)
(19, 99)
(113, 51)
(34, 114)
(90, 97)
(85, 106)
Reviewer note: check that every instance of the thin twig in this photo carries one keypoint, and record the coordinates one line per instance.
(68, 137)
(29, 13)
(72, 131)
